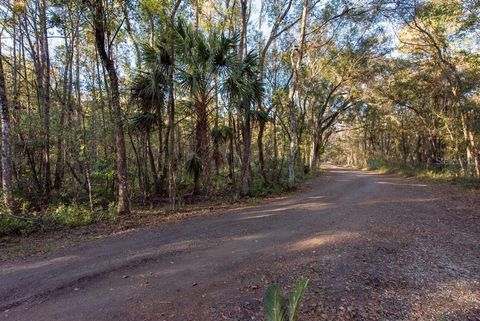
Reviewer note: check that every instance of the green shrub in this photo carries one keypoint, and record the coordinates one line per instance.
(111, 213)
(262, 190)
(278, 308)
(70, 216)
(15, 225)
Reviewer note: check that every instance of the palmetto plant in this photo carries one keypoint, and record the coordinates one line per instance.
(279, 308)
(245, 87)
(221, 134)
(205, 64)
(260, 116)
(244, 84)
(205, 58)
(150, 84)
(148, 91)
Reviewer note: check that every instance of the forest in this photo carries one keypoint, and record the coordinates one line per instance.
(108, 106)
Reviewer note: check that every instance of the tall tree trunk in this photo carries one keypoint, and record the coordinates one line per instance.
(151, 159)
(172, 189)
(66, 106)
(216, 140)
(202, 148)
(6, 151)
(245, 107)
(172, 180)
(274, 34)
(296, 62)
(261, 157)
(231, 152)
(275, 140)
(471, 150)
(247, 142)
(123, 206)
(44, 79)
(197, 14)
(316, 147)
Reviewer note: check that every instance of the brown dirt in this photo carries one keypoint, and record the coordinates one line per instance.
(376, 247)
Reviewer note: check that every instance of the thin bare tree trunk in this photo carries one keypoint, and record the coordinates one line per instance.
(6, 148)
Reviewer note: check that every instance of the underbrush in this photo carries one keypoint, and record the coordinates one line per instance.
(53, 218)
(30, 218)
(10, 224)
(445, 174)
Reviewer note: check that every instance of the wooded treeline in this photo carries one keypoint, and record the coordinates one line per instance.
(424, 107)
(147, 101)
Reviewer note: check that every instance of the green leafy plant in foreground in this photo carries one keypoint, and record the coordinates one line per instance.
(279, 308)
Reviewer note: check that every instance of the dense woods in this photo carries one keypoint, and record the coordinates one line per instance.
(112, 104)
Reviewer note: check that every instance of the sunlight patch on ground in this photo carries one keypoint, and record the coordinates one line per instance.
(253, 237)
(397, 184)
(401, 201)
(254, 217)
(323, 239)
(40, 264)
(272, 212)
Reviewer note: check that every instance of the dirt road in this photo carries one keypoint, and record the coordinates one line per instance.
(376, 247)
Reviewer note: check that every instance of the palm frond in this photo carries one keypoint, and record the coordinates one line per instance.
(296, 297)
(144, 121)
(221, 134)
(194, 165)
(148, 89)
(260, 116)
(273, 305)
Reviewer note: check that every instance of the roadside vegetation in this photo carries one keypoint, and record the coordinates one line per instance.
(443, 175)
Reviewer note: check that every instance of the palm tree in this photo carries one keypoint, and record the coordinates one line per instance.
(149, 90)
(245, 88)
(203, 59)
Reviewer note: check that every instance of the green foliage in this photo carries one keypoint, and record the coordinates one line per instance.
(358, 96)
(10, 224)
(278, 308)
(62, 216)
(274, 304)
(194, 165)
(109, 214)
(144, 121)
(296, 297)
(70, 216)
(445, 174)
(259, 188)
(260, 116)
(221, 134)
